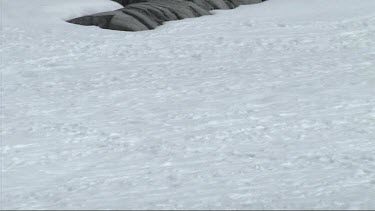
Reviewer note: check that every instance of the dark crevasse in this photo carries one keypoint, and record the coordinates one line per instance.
(139, 15)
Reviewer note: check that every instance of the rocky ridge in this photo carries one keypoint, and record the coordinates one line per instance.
(140, 15)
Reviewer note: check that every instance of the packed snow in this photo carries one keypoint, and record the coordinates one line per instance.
(267, 106)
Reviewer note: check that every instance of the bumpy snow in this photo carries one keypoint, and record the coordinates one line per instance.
(265, 106)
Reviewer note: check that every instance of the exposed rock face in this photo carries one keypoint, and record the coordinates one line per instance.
(139, 15)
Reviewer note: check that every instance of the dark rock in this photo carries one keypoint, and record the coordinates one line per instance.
(250, 1)
(156, 13)
(218, 4)
(203, 4)
(198, 11)
(101, 19)
(179, 8)
(127, 2)
(139, 15)
(124, 22)
(144, 19)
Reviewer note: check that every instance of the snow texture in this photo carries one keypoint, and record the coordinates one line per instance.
(264, 106)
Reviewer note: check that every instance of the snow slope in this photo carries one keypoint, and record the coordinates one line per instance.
(265, 106)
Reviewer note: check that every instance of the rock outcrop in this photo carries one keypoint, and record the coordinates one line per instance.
(139, 15)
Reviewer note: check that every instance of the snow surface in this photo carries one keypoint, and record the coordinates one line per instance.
(265, 106)
(50, 12)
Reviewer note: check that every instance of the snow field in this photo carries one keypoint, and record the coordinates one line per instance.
(265, 106)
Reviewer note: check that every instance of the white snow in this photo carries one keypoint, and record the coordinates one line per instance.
(34, 13)
(265, 106)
